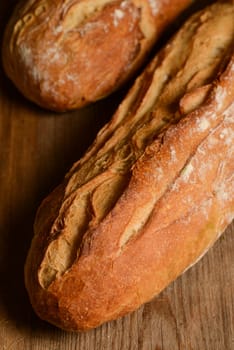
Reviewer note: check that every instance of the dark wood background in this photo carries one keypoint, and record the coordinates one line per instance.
(37, 147)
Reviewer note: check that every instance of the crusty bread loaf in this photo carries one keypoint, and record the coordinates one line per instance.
(153, 192)
(64, 54)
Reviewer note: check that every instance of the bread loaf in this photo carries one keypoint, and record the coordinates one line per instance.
(64, 54)
(153, 192)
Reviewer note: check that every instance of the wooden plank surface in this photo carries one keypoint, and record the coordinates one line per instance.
(37, 147)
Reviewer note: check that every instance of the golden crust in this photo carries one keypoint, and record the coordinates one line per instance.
(154, 191)
(65, 54)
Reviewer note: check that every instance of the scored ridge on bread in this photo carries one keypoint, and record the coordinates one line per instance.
(153, 192)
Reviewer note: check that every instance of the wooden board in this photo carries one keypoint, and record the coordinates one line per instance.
(37, 147)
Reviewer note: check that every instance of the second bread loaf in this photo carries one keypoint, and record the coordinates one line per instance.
(65, 54)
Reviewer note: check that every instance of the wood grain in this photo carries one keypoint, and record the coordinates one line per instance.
(37, 147)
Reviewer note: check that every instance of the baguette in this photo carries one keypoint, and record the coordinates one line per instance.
(64, 54)
(154, 191)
